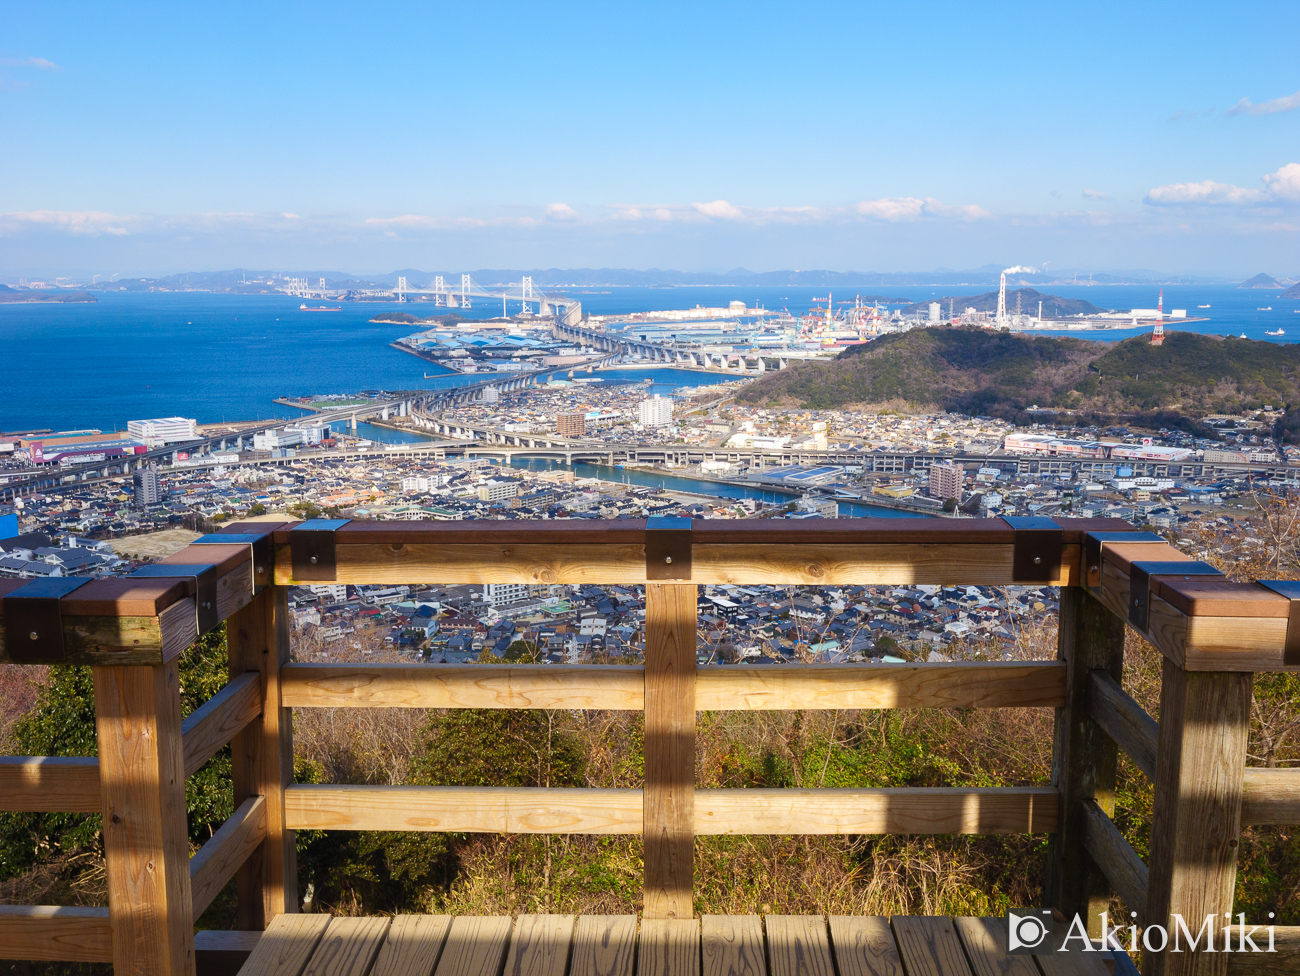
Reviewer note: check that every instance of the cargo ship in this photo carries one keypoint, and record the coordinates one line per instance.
(319, 308)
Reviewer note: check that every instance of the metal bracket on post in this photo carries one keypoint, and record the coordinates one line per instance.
(668, 548)
(204, 582)
(34, 621)
(1093, 542)
(312, 551)
(259, 545)
(1037, 554)
(1291, 590)
(1139, 583)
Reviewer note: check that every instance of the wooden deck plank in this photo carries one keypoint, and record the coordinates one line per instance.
(864, 946)
(348, 947)
(929, 946)
(732, 945)
(1077, 962)
(540, 945)
(604, 945)
(986, 948)
(413, 946)
(476, 945)
(798, 945)
(285, 947)
(669, 947)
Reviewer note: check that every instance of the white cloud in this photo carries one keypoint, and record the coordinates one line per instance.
(894, 209)
(719, 209)
(1096, 195)
(83, 222)
(1287, 103)
(1285, 183)
(627, 213)
(1282, 186)
(561, 211)
(41, 63)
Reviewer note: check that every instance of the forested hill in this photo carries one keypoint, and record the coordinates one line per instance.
(977, 371)
(1054, 306)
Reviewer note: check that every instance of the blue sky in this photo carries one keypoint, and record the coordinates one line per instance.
(141, 138)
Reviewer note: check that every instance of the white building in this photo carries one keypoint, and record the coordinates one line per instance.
(269, 440)
(655, 412)
(504, 594)
(330, 592)
(163, 430)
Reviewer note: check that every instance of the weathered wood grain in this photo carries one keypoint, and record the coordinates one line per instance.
(1200, 769)
(286, 946)
(539, 945)
(1112, 853)
(48, 933)
(412, 946)
(1271, 796)
(732, 945)
(478, 809)
(797, 945)
(669, 795)
(112, 640)
(225, 852)
(1283, 961)
(864, 946)
(940, 685)
(904, 810)
(669, 947)
(1084, 758)
(348, 947)
(475, 686)
(1124, 720)
(985, 940)
(257, 639)
(929, 945)
(476, 945)
(50, 784)
(604, 945)
(218, 720)
(146, 841)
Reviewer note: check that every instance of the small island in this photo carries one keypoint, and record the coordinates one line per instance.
(18, 296)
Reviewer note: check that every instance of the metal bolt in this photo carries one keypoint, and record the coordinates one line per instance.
(668, 559)
(1038, 560)
(313, 560)
(34, 636)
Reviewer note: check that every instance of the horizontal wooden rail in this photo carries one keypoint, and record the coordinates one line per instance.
(1271, 796)
(956, 810)
(226, 851)
(471, 686)
(220, 719)
(717, 687)
(1124, 720)
(1284, 961)
(49, 784)
(47, 933)
(1116, 857)
(938, 685)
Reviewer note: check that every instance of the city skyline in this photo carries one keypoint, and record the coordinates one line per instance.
(159, 140)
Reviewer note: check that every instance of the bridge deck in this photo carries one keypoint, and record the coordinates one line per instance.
(616, 945)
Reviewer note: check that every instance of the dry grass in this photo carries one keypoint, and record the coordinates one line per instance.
(153, 545)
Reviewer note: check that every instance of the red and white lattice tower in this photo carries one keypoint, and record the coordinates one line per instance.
(1158, 336)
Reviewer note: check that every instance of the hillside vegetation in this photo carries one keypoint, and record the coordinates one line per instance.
(1054, 306)
(976, 371)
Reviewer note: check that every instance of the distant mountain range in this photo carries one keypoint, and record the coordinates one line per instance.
(239, 280)
(17, 296)
(1261, 281)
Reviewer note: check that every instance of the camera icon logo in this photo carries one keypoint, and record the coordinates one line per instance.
(1030, 933)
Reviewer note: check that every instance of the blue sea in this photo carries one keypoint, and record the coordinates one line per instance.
(227, 357)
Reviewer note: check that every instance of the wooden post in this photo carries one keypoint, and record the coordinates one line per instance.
(669, 798)
(1084, 758)
(1196, 820)
(146, 842)
(258, 640)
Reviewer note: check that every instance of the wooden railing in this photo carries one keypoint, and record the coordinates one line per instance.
(1213, 634)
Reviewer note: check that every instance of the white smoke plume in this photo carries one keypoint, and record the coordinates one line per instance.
(1018, 269)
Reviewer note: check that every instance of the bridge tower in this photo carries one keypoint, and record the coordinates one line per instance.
(464, 291)
(439, 291)
(401, 288)
(526, 290)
